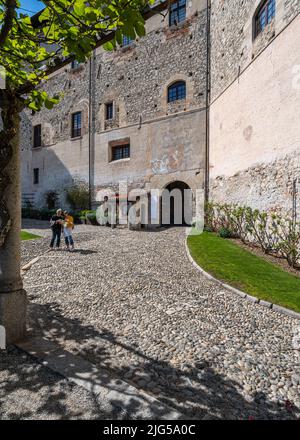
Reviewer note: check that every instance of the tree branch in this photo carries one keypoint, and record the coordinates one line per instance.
(148, 13)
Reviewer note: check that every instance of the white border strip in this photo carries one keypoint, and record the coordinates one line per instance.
(238, 292)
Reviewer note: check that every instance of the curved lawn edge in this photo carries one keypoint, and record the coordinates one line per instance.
(259, 301)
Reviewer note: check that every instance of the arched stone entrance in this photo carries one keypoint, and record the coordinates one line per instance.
(176, 204)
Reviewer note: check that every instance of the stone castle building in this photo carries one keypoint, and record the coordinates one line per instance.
(209, 99)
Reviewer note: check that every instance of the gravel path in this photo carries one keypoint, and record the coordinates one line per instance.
(132, 302)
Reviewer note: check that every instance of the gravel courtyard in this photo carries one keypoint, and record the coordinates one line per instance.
(131, 302)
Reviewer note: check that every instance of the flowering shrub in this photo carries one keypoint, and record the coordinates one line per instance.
(272, 232)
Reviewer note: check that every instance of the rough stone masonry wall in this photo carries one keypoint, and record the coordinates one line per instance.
(231, 30)
(267, 186)
(255, 132)
(135, 78)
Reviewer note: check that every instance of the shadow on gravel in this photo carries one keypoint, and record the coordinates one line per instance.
(31, 391)
(198, 391)
(84, 251)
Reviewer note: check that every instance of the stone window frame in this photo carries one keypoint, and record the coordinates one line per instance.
(119, 112)
(249, 28)
(250, 42)
(118, 143)
(189, 91)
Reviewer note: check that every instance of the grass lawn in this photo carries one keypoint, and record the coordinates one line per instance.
(230, 263)
(28, 236)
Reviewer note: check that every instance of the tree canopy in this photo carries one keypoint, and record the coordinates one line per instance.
(31, 48)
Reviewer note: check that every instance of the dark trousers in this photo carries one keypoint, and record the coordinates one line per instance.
(69, 240)
(56, 234)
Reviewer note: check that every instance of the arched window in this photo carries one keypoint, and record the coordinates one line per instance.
(177, 91)
(177, 12)
(264, 16)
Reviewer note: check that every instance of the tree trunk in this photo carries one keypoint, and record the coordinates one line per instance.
(13, 300)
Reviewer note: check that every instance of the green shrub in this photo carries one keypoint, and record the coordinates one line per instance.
(78, 196)
(51, 198)
(31, 213)
(271, 231)
(45, 214)
(85, 212)
(91, 218)
(225, 233)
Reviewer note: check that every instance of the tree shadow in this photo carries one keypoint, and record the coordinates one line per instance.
(84, 251)
(197, 391)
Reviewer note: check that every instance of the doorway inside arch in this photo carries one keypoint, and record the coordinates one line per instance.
(177, 205)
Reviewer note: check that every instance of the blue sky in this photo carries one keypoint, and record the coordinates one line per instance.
(32, 5)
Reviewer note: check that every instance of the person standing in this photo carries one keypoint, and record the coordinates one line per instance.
(68, 230)
(56, 223)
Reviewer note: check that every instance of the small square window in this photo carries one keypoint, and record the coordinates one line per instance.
(126, 41)
(120, 152)
(109, 111)
(37, 136)
(36, 176)
(76, 125)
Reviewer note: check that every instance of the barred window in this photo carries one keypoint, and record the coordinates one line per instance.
(177, 12)
(76, 125)
(264, 16)
(177, 91)
(120, 152)
(37, 136)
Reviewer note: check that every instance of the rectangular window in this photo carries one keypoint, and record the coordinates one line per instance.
(36, 176)
(75, 64)
(126, 41)
(177, 12)
(109, 111)
(76, 125)
(120, 152)
(37, 136)
(177, 91)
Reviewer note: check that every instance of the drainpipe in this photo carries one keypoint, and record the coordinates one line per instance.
(208, 84)
(91, 126)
